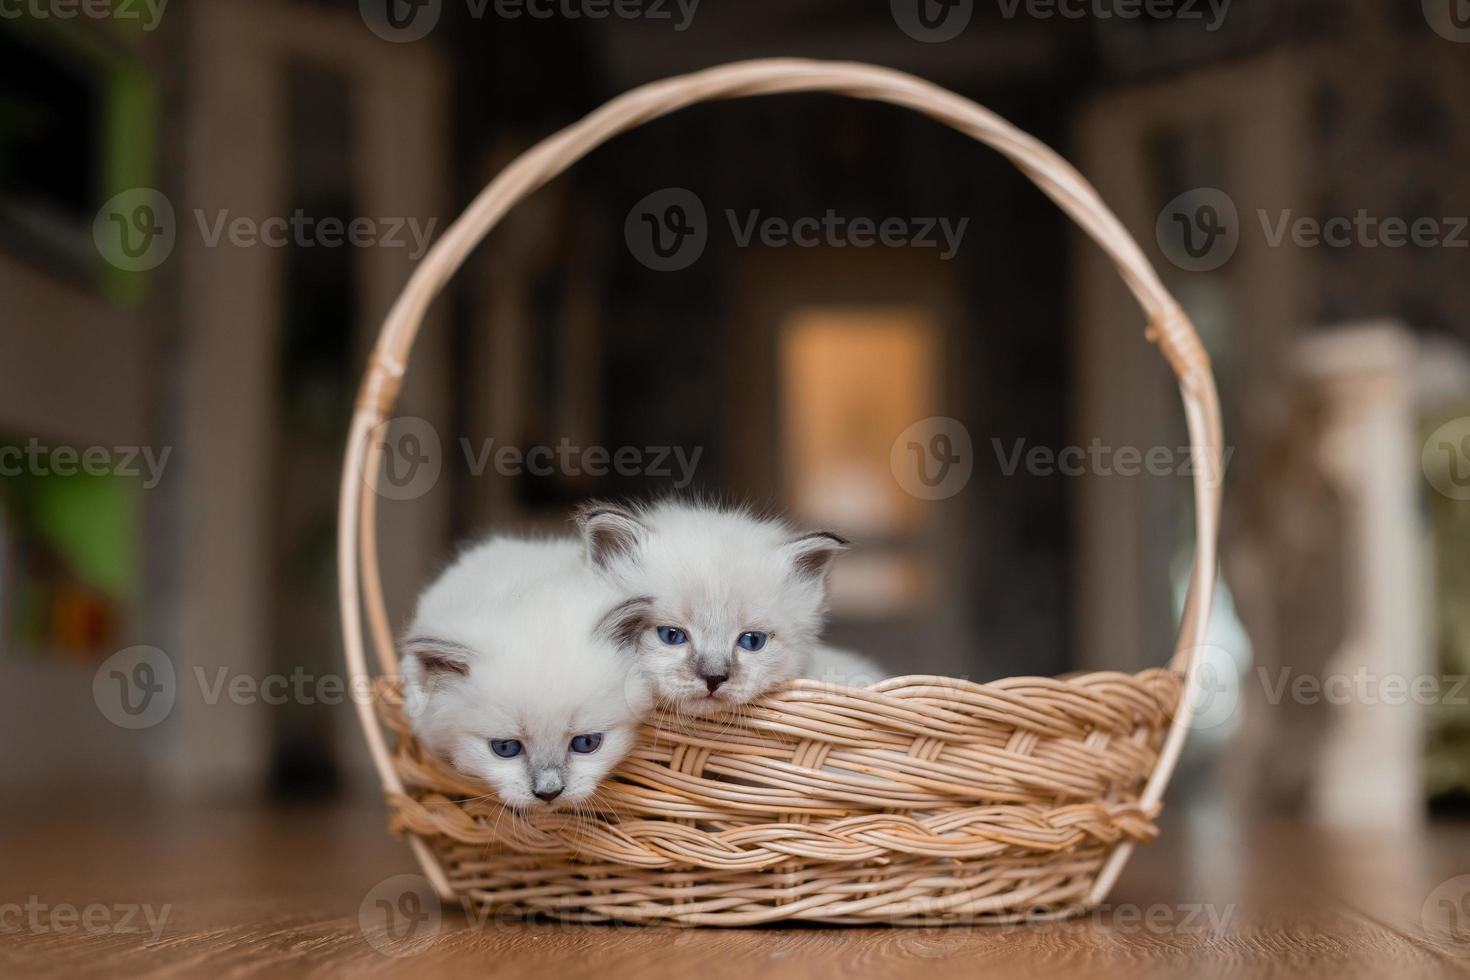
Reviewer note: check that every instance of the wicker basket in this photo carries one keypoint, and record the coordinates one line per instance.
(920, 800)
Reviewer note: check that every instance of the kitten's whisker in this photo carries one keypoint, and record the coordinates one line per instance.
(495, 829)
(601, 805)
(728, 720)
(474, 799)
(583, 819)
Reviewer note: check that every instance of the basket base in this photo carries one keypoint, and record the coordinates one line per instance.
(900, 891)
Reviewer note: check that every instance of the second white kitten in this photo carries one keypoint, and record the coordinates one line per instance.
(519, 671)
(734, 604)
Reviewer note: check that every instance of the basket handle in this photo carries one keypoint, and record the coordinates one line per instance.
(1168, 327)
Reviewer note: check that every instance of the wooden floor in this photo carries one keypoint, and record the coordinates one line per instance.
(222, 894)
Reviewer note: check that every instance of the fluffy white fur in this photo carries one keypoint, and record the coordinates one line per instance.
(519, 640)
(716, 573)
(833, 666)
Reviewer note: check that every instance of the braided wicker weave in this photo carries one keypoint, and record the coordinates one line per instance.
(921, 799)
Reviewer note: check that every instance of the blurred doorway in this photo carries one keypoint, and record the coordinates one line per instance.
(853, 349)
(851, 379)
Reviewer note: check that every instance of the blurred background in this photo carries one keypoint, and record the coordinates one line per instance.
(830, 308)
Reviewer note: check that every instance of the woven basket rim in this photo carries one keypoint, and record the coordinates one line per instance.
(911, 686)
(806, 692)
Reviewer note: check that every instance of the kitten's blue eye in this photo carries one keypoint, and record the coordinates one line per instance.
(672, 636)
(752, 640)
(586, 743)
(506, 748)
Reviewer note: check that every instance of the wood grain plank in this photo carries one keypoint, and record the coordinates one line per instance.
(255, 893)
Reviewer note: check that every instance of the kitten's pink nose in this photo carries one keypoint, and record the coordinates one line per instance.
(547, 795)
(713, 681)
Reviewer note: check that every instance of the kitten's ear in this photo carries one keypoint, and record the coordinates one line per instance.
(608, 532)
(626, 621)
(811, 554)
(438, 657)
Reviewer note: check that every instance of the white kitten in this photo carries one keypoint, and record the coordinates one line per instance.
(519, 671)
(733, 604)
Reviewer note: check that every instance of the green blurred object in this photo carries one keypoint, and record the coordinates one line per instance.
(73, 554)
(113, 66)
(1447, 748)
(89, 521)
